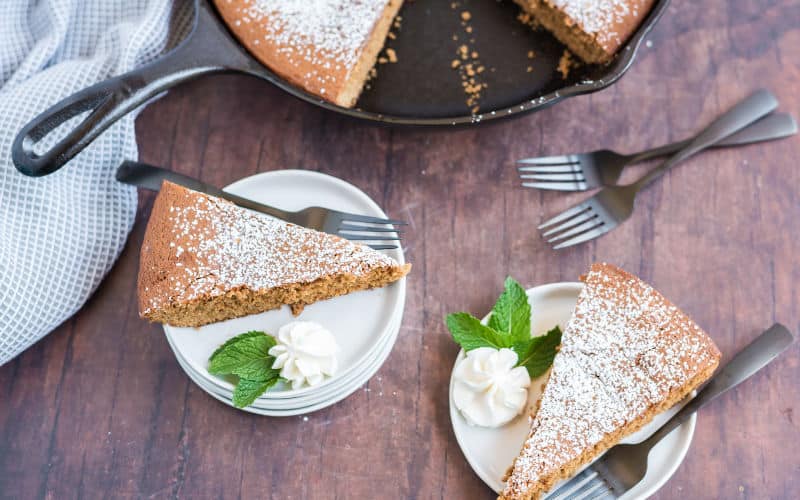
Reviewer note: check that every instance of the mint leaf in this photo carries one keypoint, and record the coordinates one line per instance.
(247, 356)
(511, 313)
(248, 390)
(536, 354)
(470, 333)
(235, 339)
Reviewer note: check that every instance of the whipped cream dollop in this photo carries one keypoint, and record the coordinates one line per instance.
(488, 390)
(305, 354)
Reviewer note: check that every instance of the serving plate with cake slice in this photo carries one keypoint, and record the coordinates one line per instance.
(211, 271)
(426, 62)
(627, 359)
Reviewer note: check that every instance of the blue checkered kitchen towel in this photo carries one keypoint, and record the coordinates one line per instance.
(60, 234)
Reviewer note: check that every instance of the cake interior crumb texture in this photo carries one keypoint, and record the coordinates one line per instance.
(326, 47)
(205, 260)
(593, 30)
(626, 355)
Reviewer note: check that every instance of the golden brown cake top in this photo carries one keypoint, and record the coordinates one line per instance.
(199, 246)
(611, 22)
(312, 43)
(624, 350)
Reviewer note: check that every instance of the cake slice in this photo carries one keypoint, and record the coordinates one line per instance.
(205, 259)
(626, 355)
(326, 47)
(593, 30)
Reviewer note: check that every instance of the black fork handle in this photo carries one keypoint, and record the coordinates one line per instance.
(207, 49)
(746, 112)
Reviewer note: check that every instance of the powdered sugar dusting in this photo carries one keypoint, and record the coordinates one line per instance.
(216, 246)
(623, 351)
(601, 18)
(324, 35)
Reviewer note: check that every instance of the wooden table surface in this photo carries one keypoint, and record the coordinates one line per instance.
(100, 408)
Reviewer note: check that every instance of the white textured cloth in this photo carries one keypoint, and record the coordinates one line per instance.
(60, 234)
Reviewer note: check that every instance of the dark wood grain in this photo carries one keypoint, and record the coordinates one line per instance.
(100, 408)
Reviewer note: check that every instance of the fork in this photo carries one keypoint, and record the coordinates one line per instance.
(343, 224)
(613, 205)
(584, 171)
(625, 465)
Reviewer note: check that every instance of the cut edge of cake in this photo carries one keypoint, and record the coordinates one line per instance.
(359, 75)
(520, 487)
(292, 54)
(594, 34)
(202, 262)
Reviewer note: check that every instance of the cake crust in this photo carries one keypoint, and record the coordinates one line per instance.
(627, 354)
(205, 259)
(326, 47)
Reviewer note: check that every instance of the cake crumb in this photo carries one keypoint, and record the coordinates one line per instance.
(392, 55)
(565, 64)
(467, 63)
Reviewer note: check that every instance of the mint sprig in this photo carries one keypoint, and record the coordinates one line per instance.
(509, 326)
(246, 356)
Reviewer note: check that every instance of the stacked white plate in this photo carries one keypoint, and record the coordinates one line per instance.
(365, 324)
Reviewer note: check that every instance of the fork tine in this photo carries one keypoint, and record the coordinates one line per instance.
(567, 224)
(368, 229)
(370, 220)
(566, 214)
(571, 176)
(572, 167)
(592, 491)
(355, 237)
(589, 224)
(572, 485)
(556, 186)
(550, 160)
(589, 235)
(382, 247)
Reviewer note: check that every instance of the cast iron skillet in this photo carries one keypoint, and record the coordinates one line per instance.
(420, 89)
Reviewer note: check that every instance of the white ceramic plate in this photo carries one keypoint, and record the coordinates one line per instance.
(323, 394)
(491, 451)
(359, 321)
(319, 393)
(333, 399)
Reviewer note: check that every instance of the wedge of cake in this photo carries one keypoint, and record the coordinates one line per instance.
(593, 30)
(626, 355)
(326, 47)
(205, 259)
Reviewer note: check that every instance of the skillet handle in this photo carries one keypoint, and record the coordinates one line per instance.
(207, 49)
